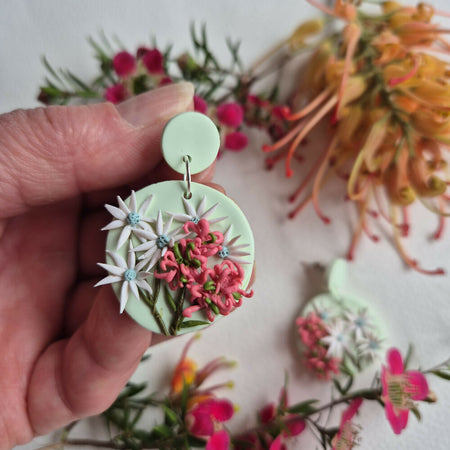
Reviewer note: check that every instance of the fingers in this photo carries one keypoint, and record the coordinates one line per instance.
(82, 376)
(54, 153)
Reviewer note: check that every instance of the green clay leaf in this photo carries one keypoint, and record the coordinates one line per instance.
(193, 323)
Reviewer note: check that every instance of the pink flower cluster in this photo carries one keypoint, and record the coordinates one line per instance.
(216, 290)
(229, 118)
(136, 73)
(312, 330)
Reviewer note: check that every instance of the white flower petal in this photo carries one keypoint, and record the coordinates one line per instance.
(209, 212)
(133, 201)
(238, 260)
(159, 224)
(109, 280)
(124, 296)
(114, 270)
(189, 208)
(145, 205)
(182, 217)
(113, 225)
(167, 227)
(131, 258)
(123, 206)
(154, 259)
(145, 246)
(226, 235)
(144, 285)
(118, 259)
(134, 289)
(116, 212)
(147, 234)
(124, 235)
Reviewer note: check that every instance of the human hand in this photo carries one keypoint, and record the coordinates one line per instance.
(66, 350)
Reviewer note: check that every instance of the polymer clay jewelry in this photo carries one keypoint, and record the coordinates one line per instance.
(179, 253)
(339, 333)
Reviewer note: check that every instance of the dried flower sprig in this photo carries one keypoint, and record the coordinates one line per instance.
(385, 89)
(195, 417)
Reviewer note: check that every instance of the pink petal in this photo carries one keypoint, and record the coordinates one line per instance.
(352, 409)
(218, 441)
(398, 422)
(267, 414)
(419, 383)
(276, 444)
(236, 141)
(395, 361)
(189, 311)
(295, 427)
(200, 105)
(124, 64)
(221, 410)
(202, 424)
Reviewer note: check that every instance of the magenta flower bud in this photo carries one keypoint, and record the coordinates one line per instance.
(230, 114)
(153, 61)
(200, 104)
(236, 141)
(116, 93)
(124, 64)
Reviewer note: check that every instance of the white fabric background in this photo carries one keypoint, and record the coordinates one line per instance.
(261, 334)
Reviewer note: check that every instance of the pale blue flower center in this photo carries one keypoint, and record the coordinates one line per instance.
(373, 345)
(340, 337)
(133, 219)
(323, 315)
(129, 275)
(224, 252)
(360, 322)
(195, 219)
(162, 241)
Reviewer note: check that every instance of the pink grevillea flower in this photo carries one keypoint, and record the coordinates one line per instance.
(116, 93)
(230, 114)
(200, 104)
(312, 330)
(400, 389)
(124, 64)
(347, 436)
(218, 290)
(206, 414)
(153, 60)
(235, 141)
(210, 239)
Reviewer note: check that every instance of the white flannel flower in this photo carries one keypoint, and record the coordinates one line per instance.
(129, 217)
(359, 323)
(230, 250)
(195, 215)
(370, 347)
(158, 241)
(128, 273)
(338, 340)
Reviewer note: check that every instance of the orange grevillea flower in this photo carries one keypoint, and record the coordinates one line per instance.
(384, 89)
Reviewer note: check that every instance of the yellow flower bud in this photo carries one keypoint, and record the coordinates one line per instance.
(304, 31)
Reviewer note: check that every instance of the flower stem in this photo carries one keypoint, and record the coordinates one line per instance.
(176, 321)
(151, 302)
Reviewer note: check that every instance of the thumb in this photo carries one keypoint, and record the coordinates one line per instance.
(54, 153)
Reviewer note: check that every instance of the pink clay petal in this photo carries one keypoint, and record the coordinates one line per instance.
(398, 422)
(218, 441)
(419, 384)
(395, 361)
(189, 311)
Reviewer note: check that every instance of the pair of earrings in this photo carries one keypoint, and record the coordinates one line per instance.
(178, 253)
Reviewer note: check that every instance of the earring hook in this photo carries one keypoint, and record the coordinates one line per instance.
(187, 177)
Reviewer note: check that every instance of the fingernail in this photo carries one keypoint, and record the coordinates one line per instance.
(157, 105)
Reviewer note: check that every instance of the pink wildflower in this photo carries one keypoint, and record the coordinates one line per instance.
(218, 441)
(124, 64)
(236, 141)
(230, 114)
(400, 389)
(200, 104)
(116, 93)
(153, 60)
(207, 414)
(312, 330)
(346, 437)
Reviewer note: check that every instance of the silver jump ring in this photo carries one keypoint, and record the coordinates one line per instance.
(187, 177)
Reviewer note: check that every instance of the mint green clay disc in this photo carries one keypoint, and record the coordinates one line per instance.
(150, 226)
(190, 134)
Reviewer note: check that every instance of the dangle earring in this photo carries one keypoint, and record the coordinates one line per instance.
(179, 253)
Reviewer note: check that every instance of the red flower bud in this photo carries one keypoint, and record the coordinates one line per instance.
(236, 141)
(124, 64)
(230, 114)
